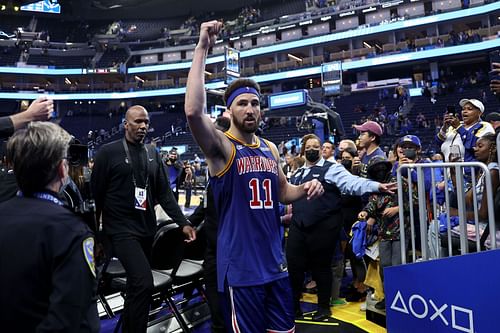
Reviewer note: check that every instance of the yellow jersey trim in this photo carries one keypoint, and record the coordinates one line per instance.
(251, 145)
(229, 162)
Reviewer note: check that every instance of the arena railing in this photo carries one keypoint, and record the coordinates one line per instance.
(429, 233)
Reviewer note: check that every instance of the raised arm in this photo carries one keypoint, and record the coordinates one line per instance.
(213, 143)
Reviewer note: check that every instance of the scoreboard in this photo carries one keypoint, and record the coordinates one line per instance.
(331, 78)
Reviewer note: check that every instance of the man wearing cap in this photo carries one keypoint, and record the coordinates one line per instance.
(458, 138)
(369, 141)
(494, 119)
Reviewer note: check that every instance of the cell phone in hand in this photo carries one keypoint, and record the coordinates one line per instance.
(450, 110)
(410, 154)
(494, 57)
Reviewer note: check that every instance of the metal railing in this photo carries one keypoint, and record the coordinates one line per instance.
(423, 196)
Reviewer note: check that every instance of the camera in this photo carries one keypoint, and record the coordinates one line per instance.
(410, 154)
(78, 154)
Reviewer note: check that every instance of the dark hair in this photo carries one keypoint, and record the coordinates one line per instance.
(222, 123)
(377, 138)
(492, 140)
(328, 141)
(353, 152)
(242, 82)
(306, 138)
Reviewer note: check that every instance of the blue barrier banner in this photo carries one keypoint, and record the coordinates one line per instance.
(457, 294)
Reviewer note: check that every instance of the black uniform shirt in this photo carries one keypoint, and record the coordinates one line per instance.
(114, 190)
(6, 127)
(47, 277)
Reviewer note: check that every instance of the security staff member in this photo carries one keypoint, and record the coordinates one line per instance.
(48, 279)
(128, 179)
(316, 224)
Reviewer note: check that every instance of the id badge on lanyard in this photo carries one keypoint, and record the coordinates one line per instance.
(141, 201)
(140, 194)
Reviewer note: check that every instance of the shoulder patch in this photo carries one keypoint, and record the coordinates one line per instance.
(88, 253)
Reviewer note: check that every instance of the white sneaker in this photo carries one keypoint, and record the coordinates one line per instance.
(363, 306)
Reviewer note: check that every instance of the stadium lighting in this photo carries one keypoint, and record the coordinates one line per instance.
(138, 78)
(208, 73)
(291, 56)
(3, 7)
(352, 12)
(16, 8)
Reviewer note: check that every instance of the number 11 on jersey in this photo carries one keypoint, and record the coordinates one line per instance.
(256, 202)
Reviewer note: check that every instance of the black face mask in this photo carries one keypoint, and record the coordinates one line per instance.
(312, 155)
(347, 164)
(172, 160)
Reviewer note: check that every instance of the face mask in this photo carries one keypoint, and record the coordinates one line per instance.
(347, 164)
(312, 155)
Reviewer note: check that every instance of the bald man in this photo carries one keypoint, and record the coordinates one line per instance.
(128, 178)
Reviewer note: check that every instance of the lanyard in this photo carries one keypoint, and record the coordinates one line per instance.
(129, 161)
(44, 196)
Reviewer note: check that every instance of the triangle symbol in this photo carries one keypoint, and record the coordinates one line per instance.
(399, 307)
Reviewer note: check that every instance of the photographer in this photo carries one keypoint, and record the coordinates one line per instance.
(48, 278)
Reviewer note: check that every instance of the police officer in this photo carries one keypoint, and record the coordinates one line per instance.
(48, 277)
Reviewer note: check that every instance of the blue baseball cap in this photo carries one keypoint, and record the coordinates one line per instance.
(410, 139)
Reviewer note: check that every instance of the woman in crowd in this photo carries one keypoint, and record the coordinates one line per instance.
(316, 224)
(485, 151)
(458, 138)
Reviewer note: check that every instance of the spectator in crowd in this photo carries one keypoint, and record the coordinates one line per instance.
(351, 206)
(458, 138)
(495, 83)
(382, 209)
(48, 278)
(369, 142)
(175, 169)
(128, 180)
(327, 150)
(315, 227)
(409, 150)
(485, 151)
(494, 119)
(343, 145)
(287, 168)
(188, 183)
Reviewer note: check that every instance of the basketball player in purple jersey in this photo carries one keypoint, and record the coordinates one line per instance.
(247, 184)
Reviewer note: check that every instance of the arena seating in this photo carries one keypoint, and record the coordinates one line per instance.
(9, 55)
(112, 57)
